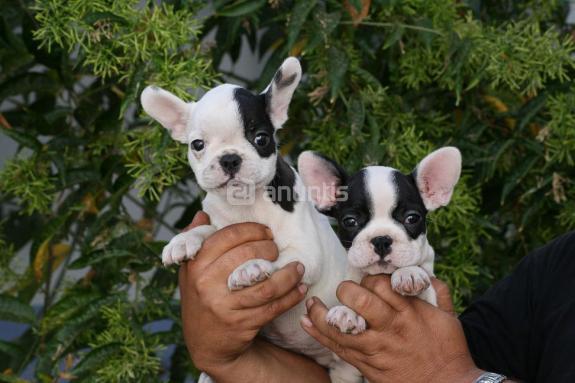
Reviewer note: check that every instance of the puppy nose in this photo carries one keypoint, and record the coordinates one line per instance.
(382, 245)
(230, 163)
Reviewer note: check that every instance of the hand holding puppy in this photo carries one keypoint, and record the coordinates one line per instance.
(407, 340)
(220, 325)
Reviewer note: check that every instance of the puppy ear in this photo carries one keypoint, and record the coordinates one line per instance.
(322, 178)
(280, 91)
(168, 110)
(436, 176)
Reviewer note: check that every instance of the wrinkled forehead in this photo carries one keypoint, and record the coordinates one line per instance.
(382, 190)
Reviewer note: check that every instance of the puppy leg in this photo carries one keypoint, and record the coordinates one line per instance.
(185, 245)
(343, 372)
(410, 280)
(250, 273)
(346, 320)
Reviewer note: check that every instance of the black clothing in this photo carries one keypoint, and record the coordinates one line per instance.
(524, 326)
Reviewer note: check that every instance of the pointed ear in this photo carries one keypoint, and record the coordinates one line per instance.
(436, 176)
(168, 110)
(280, 91)
(322, 178)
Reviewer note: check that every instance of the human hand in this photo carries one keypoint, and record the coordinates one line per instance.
(407, 340)
(220, 325)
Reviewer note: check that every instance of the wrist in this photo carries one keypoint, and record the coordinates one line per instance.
(460, 369)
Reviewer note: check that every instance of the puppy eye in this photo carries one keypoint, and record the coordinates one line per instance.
(350, 222)
(197, 145)
(412, 219)
(262, 139)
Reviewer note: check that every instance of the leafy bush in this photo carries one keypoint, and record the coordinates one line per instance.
(386, 82)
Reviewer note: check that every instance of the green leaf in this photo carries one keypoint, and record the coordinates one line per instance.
(298, 17)
(95, 359)
(23, 138)
(336, 69)
(9, 349)
(11, 309)
(93, 17)
(98, 257)
(241, 8)
(515, 178)
(356, 114)
(394, 36)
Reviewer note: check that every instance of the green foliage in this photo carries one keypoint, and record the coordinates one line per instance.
(386, 82)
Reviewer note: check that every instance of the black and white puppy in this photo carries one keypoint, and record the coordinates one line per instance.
(382, 220)
(233, 153)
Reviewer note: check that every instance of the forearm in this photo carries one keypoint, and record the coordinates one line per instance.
(265, 362)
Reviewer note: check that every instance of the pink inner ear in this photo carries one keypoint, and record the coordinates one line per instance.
(437, 175)
(320, 180)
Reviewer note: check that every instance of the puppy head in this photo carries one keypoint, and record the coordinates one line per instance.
(230, 132)
(381, 212)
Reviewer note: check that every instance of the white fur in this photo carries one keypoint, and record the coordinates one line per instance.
(302, 235)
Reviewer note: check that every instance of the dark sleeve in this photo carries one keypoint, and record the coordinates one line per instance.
(524, 326)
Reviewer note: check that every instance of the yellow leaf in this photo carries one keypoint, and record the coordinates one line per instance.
(298, 47)
(90, 204)
(357, 17)
(58, 251)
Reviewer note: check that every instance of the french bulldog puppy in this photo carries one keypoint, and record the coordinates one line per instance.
(232, 149)
(381, 214)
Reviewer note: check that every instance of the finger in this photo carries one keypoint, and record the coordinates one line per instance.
(229, 261)
(349, 355)
(229, 237)
(262, 315)
(380, 285)
(372, 308)
(317, 311)
(444, 301)
(279, 284)
(200, 219)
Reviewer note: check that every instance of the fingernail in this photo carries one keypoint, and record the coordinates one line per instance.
(269, 233)
(305, 321)
(309, 303)
(300, 269)
(302, 288)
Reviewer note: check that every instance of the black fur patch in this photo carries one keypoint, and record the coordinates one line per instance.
(408, 200)
(281, 190)
(255, 119)
(282, 82)
(358, 205)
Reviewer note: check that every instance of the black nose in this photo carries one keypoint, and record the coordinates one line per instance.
(230, 163)
(382, 245)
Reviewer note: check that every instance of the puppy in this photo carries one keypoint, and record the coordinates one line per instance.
(381, 214)
(231, 135)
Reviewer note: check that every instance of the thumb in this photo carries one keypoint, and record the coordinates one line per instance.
(444, 301)
(200, 219)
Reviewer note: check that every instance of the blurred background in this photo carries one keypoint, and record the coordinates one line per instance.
(91, 189)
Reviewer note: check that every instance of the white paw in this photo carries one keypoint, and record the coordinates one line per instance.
(346, 320)
(183, 246)
(250, 273)
(412, 280)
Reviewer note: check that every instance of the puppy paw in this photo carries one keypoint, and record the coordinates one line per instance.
(346, 320)
(412, 280)
(185, 245)
(250, 273)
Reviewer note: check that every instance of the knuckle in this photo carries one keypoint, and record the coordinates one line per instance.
(363, 301)
(266, 291)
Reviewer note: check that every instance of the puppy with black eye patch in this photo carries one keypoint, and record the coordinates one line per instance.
(381, 215)
(231, 134)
